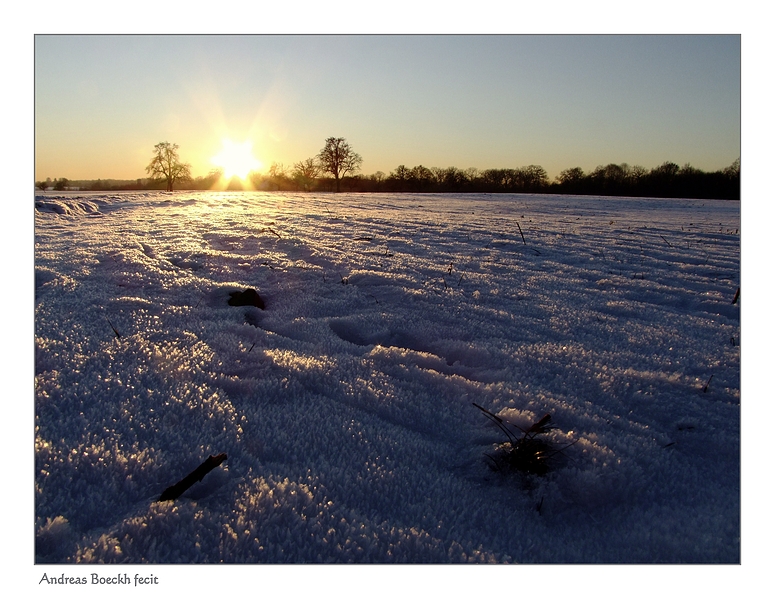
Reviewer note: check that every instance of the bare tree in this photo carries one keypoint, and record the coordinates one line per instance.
(339, 159)
(278, 177)
(733, 170)
(305, 173)
(166, 165)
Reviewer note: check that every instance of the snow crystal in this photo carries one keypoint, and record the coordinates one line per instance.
(345, 407)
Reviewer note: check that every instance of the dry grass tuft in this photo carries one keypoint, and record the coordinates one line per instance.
(524, 452)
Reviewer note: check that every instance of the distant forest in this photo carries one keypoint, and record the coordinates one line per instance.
(667, 181)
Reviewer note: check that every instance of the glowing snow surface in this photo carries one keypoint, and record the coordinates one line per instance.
(345, 407)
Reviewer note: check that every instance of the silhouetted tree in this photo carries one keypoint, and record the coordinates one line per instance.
(352, 183)
(732, 176)
(637, 175)
(378, 180)
(398, 180)
(571, 176)
(278, 177)
(339, 159)
(492, 179)
(212, 179)
(733, 170)
(661, 179)
(420, 178)
(401, 173)
(305, 173)
(453, 179)
(166, 165)
(611, 179)
(438, 175)
(534, 177)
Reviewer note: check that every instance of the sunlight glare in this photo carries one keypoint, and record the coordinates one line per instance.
(236, 159)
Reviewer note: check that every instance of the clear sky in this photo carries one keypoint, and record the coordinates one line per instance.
(484, 101)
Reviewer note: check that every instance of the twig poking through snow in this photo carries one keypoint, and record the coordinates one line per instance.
(182, 486)
(520, 232)
(118, 335)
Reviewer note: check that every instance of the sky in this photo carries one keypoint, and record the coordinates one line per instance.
(484, 101)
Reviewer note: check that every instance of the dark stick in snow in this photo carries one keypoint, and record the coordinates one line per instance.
(182, 486)
(118, 335)
(520, 232)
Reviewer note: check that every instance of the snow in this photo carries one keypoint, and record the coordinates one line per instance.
(346, 406)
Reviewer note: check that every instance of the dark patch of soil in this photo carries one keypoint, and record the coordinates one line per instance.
(249, 297)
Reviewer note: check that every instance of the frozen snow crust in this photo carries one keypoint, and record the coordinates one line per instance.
(345, 407)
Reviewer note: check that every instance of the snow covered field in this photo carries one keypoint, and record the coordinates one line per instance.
(346, 405)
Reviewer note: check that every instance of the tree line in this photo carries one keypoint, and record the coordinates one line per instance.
(336, 167)
(666, 180)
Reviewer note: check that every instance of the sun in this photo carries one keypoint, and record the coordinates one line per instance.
(236, 159)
